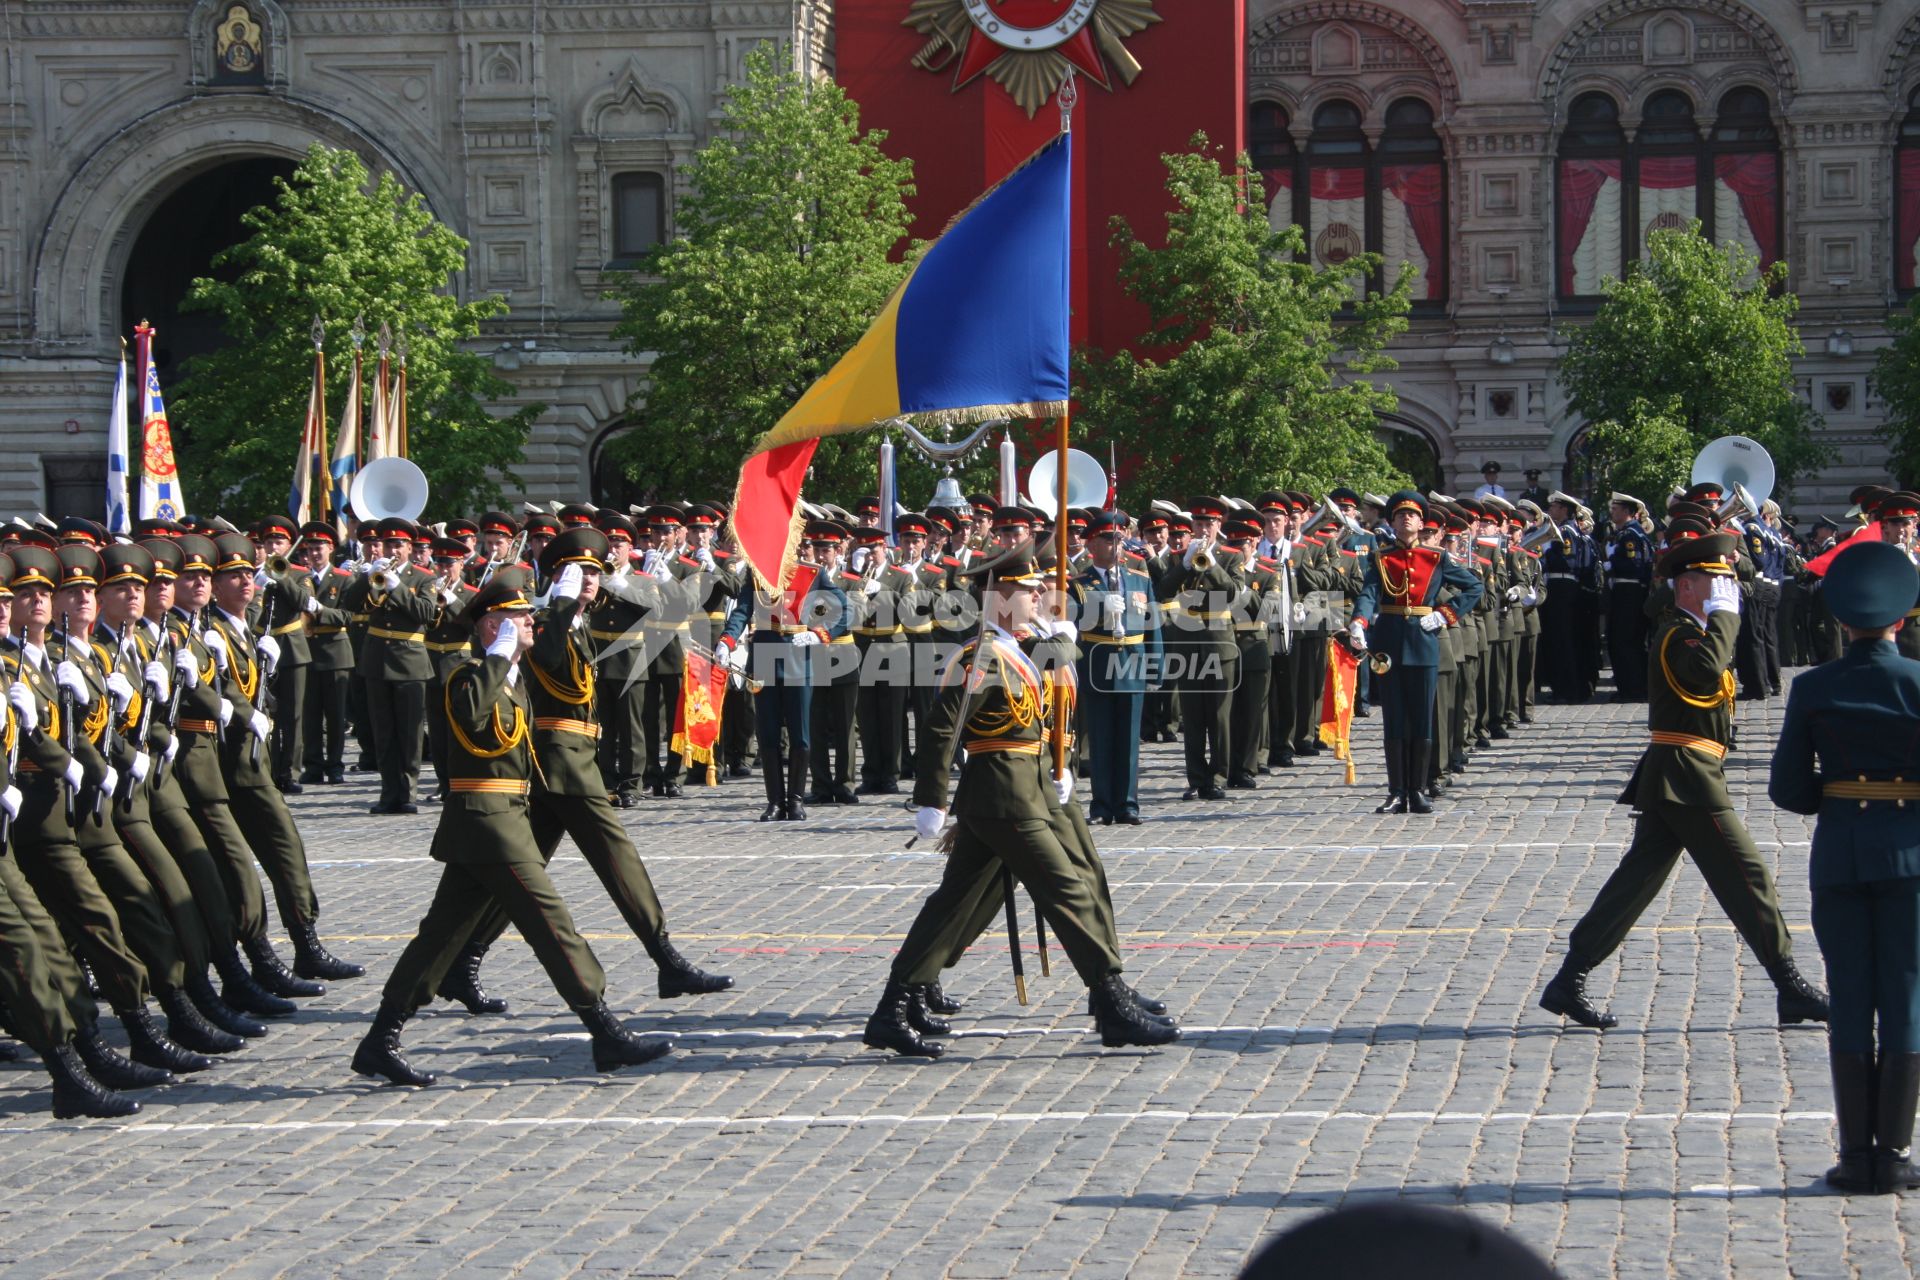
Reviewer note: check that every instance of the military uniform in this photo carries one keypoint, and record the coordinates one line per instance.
(1206, 585)
(1120, 655)
(329, 677)
(1847, 756)
(1679, 789)
(396, 667)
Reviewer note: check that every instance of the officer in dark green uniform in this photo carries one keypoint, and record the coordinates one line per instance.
(1207, 579)
(281, 608)
(329, 674)
(570, 799)
(1680, 791)
(1847, 754)
(620, 642)
(396, 666)
(490, 857)
(995, 704)
(244, 660)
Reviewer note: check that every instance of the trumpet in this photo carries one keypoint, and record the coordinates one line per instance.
(1379, 662)
(384, 578)
(279, 566)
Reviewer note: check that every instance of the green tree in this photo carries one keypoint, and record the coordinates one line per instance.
(1251, 373)
(783, 258)
(1648, 453)
(1697, 338)
(337, 245)
(1896, 379)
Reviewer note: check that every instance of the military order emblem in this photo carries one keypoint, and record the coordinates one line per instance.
(1029, 46)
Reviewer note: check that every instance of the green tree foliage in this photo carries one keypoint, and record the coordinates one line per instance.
(1252, 369)
(335, 244)
(1694, 343)
(1896, 379)
(783, 258)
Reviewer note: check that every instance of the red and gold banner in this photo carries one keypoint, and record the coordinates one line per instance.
(696, 721)
(1336, 712)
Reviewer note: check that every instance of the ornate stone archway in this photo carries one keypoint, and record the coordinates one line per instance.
(81, 253)
(1766, 42)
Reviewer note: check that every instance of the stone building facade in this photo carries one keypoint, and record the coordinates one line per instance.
(1517, 150)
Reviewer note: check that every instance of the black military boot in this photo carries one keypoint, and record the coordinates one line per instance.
(1419, 756)
(940, 1002)
(241, 992)
(796, 810)
(1853, 1102)
(311, 959)
(462, 983)
(271, 972)
(1899, 1092)
(1798, 1000)
(1158, 1008)
(219, 1012)
(112, 1068)
(891, 1024)
(679, 976)
(379, 1052)
(774, 778)
(1396, 781)
(614, 1046)
(921, 1017)
(189, 1028)
(76, 1093)
(1566, 995)
(1122, 1022)
(147, 1045)
(1154, 1009)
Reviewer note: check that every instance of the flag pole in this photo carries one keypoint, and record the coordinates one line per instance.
(1069, 95)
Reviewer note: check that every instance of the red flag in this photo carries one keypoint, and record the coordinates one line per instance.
(1818, 565)
(1336, 714)
(696, 721)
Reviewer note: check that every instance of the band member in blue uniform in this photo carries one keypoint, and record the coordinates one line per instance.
(1848, 754)
(1120, 654)
(1411, 593)
(1629, 559)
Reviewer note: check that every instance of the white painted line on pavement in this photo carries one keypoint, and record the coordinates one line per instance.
(1196, 884)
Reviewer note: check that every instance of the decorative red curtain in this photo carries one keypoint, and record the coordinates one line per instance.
(1422, 191)
(1347, 183)
(1278, 184)
(1755, 178)
(1907, 218)
(1580, 183)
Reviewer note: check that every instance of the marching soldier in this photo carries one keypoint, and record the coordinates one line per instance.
(491, 860)
(1847, 755)
(995, 704)
(1679, 789)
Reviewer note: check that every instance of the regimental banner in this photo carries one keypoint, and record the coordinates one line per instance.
(1336, 710)
(161, 497)
(696, 721)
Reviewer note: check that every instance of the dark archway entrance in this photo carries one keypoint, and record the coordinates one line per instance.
(1412, 450)
(178, 243)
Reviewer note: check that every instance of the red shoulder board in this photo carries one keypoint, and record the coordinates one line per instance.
(690, 562)
(722, 555)
(342, 573)
(952, 562)
(1267, 563)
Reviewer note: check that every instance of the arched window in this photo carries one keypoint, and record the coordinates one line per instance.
(1351, 197)
(1906, 232)
(1668, 175)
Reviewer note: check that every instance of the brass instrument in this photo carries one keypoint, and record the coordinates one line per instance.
(1380, 662)
(1541, 534)
(279, 566)
(511, 555)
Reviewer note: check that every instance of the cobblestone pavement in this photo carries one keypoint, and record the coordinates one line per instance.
(1358, 993)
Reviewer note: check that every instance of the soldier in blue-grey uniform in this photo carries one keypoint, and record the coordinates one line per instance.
(1559, 563)
(1848, 754)
(1629, 560)
(1120, 655)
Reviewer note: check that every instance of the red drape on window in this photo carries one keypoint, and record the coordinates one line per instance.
(1907, 226)
(1755, 178)
(1663, 173)
(1421, 189)
(1338, 184)
(1580, 182)
(1278, 184)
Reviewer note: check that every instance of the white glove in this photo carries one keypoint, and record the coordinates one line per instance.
(873, 587)
(75, 777)
(1113, 611)
(1357, 636)
(1724, 594)
(110, 783)
(26, 708)
(226, 712)
(1063, 630)
(312, 606)
(217, 646)
(189, 669)
(506, 641)
(805, 640)
(1063, 785)
(68, 677)
(1532, 597)
(260, 578)
(142, 766)
(927, 822)
(1186, 557)
(706, 559)
(10, 801)
(120, 690)
(566, 583)
(173, 749)
(858, 563)
(737, 657)
(1514, 593)
(269, 650)
(1431, 622)
(1299, 614)
(662, 572)
(259, 725)
(155, 674)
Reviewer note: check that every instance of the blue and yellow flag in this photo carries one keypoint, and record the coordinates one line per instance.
(979, 329)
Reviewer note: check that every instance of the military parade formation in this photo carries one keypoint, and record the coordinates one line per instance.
(531, 675)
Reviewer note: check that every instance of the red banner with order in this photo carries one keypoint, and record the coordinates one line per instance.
(1336, 710)
(696, 721)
